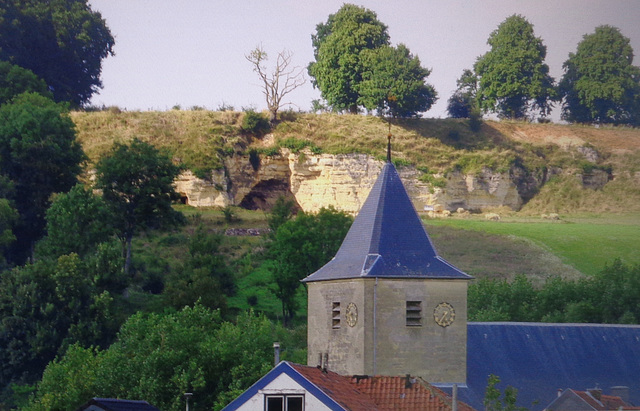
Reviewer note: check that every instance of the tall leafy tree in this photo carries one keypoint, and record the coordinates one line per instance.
(513, 79)
(16, 80)
(61, 41)
(40, 156)
(393, 82)
(136, 180)
(600, 83)
(337, 44)
(301, 246)
(77, 222)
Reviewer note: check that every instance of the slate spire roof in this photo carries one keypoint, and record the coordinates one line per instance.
(387, 239)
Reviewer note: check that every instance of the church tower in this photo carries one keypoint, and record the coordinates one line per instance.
(387, 303)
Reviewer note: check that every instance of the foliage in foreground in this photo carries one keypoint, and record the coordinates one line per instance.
(610, 297)
(159, 357)
(494, 400)
(51, 304)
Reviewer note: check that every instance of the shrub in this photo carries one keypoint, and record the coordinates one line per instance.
(255, 123)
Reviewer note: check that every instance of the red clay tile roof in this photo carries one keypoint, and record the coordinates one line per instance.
(337, 387)
(379, 393)
(394, 394)
(606, 402)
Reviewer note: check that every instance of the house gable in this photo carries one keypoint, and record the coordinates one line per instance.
(301, 384)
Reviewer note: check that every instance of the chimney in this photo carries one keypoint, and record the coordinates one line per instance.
(559, 392)
(276, 353)
(407, 381)
(621, 391)
(325, 362)
(595, 392)
(320, 360)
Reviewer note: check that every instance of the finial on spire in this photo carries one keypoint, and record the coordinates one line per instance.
(389, 144)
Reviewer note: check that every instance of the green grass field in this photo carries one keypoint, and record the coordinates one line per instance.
(584, 242)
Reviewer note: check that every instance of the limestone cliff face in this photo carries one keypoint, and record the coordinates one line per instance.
(342, 181)
(476, 192)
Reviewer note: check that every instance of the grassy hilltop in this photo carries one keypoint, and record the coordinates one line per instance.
(596, 226)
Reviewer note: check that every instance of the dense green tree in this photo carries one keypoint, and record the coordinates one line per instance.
(16, 80)
(136, 180)
(611, 296)
(300, 247)
(62, 41)
(204, 276)
(77, 222)
(40, 156)
(8, 217)
(44, 307)
(513, 79)
(337, 44)
(393, 82)
(159, 357)
(600, 83)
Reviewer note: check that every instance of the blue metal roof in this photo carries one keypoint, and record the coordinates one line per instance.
(387, 239)
(538, 359)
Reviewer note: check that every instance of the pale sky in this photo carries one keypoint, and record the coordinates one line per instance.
(191, 52)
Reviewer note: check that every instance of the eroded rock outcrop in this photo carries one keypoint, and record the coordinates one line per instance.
(344, 181)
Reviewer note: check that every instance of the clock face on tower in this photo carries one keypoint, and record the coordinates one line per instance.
(351, 314)
(444, 314)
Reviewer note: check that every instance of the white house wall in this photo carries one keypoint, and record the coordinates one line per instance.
(283, 384)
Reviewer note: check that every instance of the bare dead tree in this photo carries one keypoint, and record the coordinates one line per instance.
(277, 84)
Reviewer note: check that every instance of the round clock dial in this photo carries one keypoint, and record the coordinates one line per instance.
(351, 314)
(444, 314)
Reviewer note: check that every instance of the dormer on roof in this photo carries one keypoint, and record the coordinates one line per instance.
(387, 239)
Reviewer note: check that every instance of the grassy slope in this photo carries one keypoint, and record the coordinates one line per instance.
(585, 243)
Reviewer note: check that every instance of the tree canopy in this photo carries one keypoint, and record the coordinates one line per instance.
(600, 83)
(40, 156)
(159, 357)
(62, 41)
(513, 79)
(394, 82)
(136, 180)
(16, 80)
(45, 307)
(337, 45)
(77, 222)
(357, 67)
